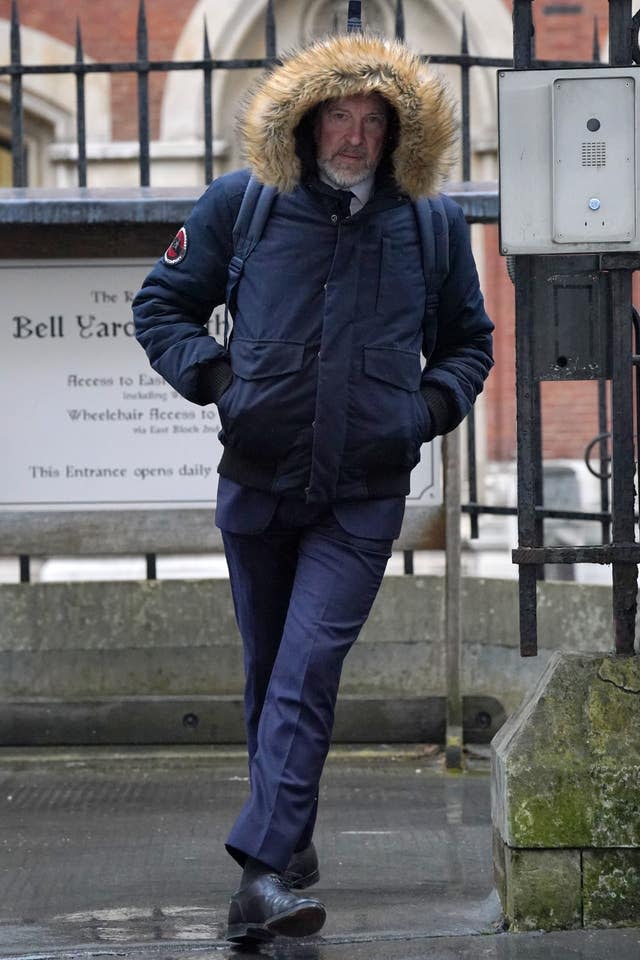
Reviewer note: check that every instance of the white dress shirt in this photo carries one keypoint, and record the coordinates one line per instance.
(361, 192)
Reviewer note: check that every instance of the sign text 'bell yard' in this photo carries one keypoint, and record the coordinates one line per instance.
(86, 422)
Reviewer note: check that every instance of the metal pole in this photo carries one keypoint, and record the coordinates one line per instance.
(81, 126)
(270, 31)
(400, 23)
(465, 103)
(530, 525)
(522, 34)
(620, 33)
(528, 429)
(354, 16)
(25, 568)
(453, 589)
(207, 75)
(625, 575)
(150, 559)
(143, 96)
(17, 118)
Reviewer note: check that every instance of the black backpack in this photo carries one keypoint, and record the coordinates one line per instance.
(255, 208)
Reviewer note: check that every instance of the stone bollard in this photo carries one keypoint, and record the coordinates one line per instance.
(565, 797)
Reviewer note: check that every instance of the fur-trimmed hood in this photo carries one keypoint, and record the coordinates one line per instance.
(344, 66)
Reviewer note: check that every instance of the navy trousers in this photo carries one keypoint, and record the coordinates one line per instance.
(302, 589)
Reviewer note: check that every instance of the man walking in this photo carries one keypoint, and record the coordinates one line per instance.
(323, 401)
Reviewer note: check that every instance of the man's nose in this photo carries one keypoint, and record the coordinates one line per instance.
(356, 133)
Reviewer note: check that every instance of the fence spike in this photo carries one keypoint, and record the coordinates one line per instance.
(79, 48)
(270, 31)
(15, 33)
(207, 105)
(143, 97)
(18, 158)
(81, 113)
(142, 35)
(354, 16)
(596, 41)
(465, 103)
(400, 31)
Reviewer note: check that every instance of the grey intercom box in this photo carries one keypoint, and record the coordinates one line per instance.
(568, 160)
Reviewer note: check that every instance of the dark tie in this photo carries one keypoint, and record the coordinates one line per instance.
(346, 196)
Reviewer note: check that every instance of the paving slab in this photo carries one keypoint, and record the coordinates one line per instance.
(119, 853)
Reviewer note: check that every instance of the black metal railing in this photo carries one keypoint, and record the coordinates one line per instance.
(142, 67)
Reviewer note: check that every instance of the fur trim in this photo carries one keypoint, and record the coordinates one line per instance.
(344, 66)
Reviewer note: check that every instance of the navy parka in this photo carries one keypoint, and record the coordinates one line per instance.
(327, 398)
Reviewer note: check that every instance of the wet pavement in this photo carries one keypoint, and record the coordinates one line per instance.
(118, 853)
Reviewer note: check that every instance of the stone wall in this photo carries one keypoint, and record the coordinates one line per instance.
(164, 642)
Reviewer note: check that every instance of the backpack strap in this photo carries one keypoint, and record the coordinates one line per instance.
(433, 227)
(249, 226)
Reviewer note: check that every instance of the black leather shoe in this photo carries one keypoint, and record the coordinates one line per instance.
(266, 907)
(302, 870)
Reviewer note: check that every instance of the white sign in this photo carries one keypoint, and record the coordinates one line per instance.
(86, 422)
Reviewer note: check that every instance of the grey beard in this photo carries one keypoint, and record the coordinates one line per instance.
(339, 179)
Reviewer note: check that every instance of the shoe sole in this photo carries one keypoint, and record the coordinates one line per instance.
(249, 933)
(301, 883)
(300, 922)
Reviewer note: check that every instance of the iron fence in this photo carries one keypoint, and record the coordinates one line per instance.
(142, 67)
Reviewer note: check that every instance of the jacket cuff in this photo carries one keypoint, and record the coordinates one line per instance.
(441, 410)
(220, 376)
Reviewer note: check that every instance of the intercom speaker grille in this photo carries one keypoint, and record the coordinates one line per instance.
(594, 154)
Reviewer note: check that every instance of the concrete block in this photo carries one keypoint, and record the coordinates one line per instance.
(566, 765)
(611, 888)
(540, 889)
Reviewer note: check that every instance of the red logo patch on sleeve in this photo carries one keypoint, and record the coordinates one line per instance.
(177, 251)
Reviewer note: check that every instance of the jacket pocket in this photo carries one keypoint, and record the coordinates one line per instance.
(389, 421)
(256, 359)
(264, 408)
(398, 367)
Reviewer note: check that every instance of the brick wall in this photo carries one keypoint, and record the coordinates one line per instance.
(500, 388)
(109, 33)
(565, 28)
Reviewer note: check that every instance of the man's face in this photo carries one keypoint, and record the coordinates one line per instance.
(350, 134)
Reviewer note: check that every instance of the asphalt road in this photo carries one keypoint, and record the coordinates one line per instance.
(119, 853)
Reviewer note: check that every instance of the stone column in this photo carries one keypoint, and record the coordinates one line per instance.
(566, 798)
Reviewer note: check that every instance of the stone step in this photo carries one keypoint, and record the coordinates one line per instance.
(218, 719)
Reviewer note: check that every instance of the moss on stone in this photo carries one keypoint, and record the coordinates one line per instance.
(543, 889)
(570, 772)
(622, 672)
(611, 888)
(566, 785)
(557, 817)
